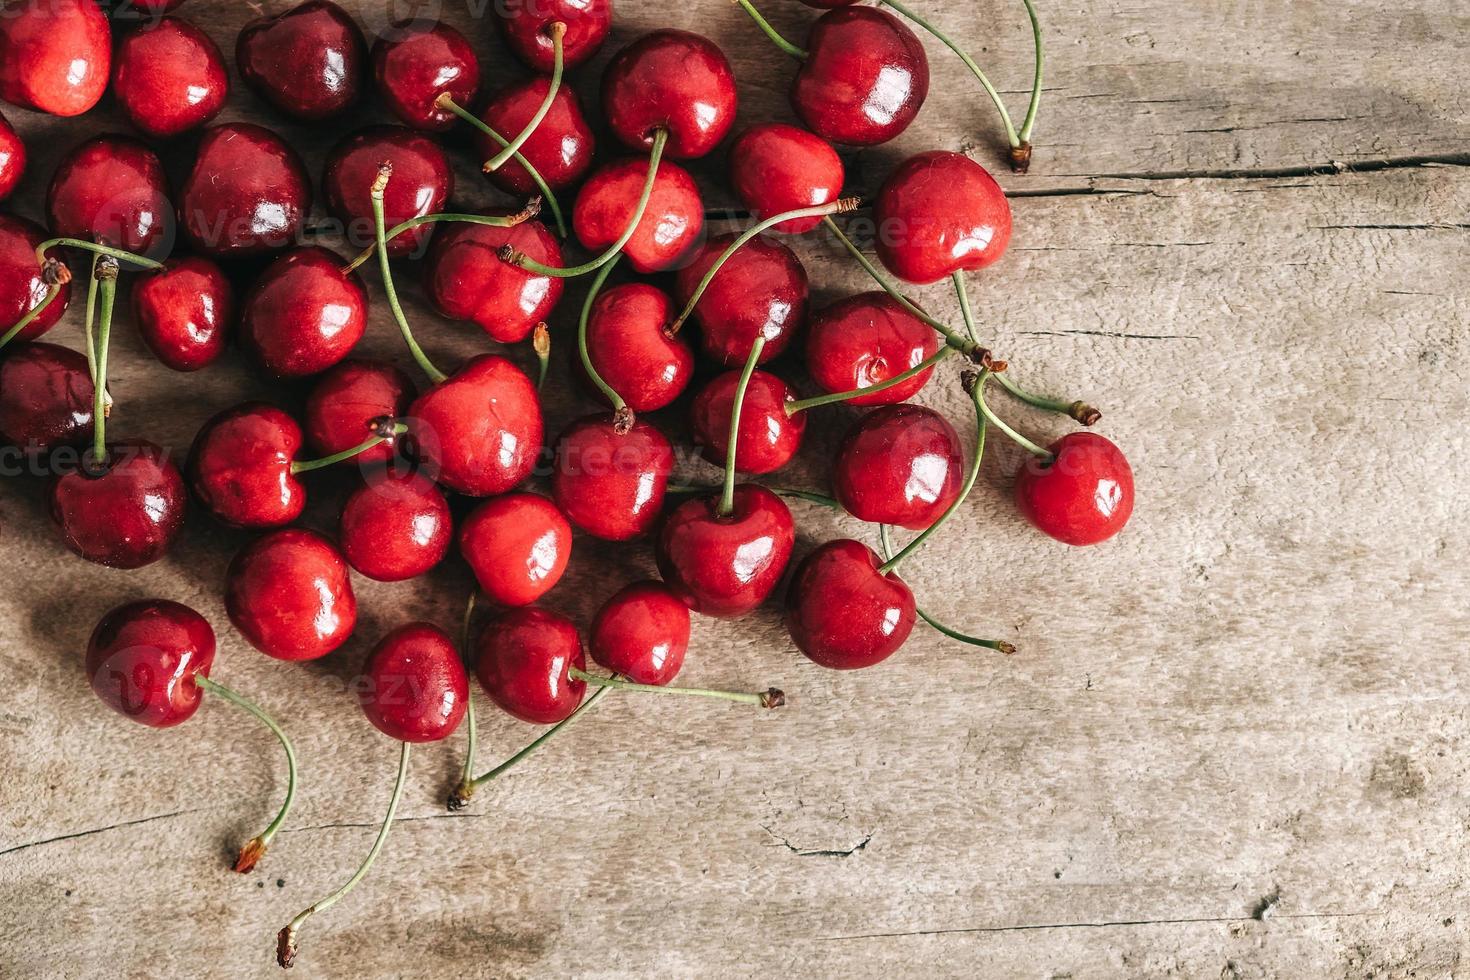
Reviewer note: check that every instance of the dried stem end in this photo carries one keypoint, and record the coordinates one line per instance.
(380, 182)
(541, 340)
(250, 855)
(773, 698)
(107, 268)
(1021, 158)
(460, 798)
(1084, 413)
(55, 273)
(1006, 648)
(508, 254)
(968, 381)
(845, 204)
(623, 420)
(286, 947)
(531, 210)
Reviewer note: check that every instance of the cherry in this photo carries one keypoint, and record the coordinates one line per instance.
(307, 62)
(899, 464)
(843, 611)
(247, 193)
(642, 632)
(304, 314)
(669, 228)
(523, 659)
(46, 397)
(864, 340)
(726, 564)
(111, 190)
(422, 182)
(467, 280)
(144, 660)
(240, 466)
(560, 148)
(610, 481)
(1082, 495)
(480, 429)
(290, 595)
(22, 284)
(864, 79)
(631, 349)
(54, 55)
(396, 526)
(124, 512)
(415, 687)
(769, 435)
(761, 290)
(12, 158)
(347, 402)
(517, 546)
(777, 168)
(185, 312)
(169, 78)
(417, 61)
(525, 26)
(938, 214)
(672, 80)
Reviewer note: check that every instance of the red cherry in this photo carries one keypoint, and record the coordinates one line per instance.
(560, 148)
(21, 287)
(671, 80)
(143, 660)
(768, 436)
(304, 314)
(247, 193)
(940, 213)
(842, 612)
(761, 290)
(240, 466)
(525, 26)
(416, 688)
(670, 227)
(112, 190)
(169, 78)
(346, 402)
(46, 397)
(480, 429)
(422, 182)
(899, 464)
(642, 632)
(415, 62)
(185, 312)
(124, 514)
(12, 158)
(396, 526)
(864, 340)
(290, 595)
(778, 168)
(864, 79)
(1082, 496)
(523, 661)
(467, 280)
(517, 545)
(631, 349)
(307, 62)
(54, 55)
(726, 565)
(611, 484)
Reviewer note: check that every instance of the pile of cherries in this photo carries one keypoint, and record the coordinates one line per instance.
(476, 429)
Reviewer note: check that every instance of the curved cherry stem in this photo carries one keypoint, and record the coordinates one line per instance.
(448, 104)
(380, 184)
(384, 432)
(532, 208)
(999, 423)
(963, 292)
(558, 31)
(776, 37)
(727, 495)
(286, 938)
(90, 320)
(1082, 412)
(802, 404)
(540, 740)
(1029, 123)
(541, 344)
(884, 535)
(811, 496)
(771, 697)
(122, 255)
(620, 407)
(35, 311)
(255, 849)
(460, 798)
(107, 292)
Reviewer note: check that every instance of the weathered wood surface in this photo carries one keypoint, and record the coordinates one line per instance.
(1233, 743)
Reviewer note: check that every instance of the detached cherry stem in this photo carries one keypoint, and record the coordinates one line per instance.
(776, 37)
(535, 744)
(884, 535)
(727, 494)
(460, 797)
(532, 208)
(770, 698)
(622, 414)
(384, 430)
(558, 31)
(802, 404)
(445, 102)
(380, 184)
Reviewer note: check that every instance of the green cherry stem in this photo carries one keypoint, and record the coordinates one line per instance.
(802, 404)
(54, 274)
(449, 105)
(1078, 410)
(132, 258)
(460, 798)
(999, 423)
(810, 496)
(621, 412)
(727, 495)
(769, 698)
(107, 288)
(380, 184)
(777, 39)
(884, 535)
(558, 31)
(532, 208)
(539, 741)
(963, 293)
(90, 320)
(1022, 161)
(541, 344)
(384, 430)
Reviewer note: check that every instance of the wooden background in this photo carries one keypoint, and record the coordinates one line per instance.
(1233, 743)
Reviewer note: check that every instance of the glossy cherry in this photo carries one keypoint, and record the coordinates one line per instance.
(611, 484)
(124, 513)
(525, 26)
(169, 78)
(726, 564)
(864, 79)
(185, 312)
(864, 340)
(22, 287)
(675, 81)
(631, 349)
(479, 431)
(247, 193)
(290, 595)
(417, 61)
(642, 633)
(396, 526)
(560, 148)
(1083, 495)
(671, 226)
(304, 314)
(524, 656)
(346, 402)
(422, 182)
(415, 688)
(144, 658)
(308, 62)
(843, 612)
(467, 280)
(517, 545)
(760, 291)
(777, 168)
(240, 466)
(46, 397)
(940, 213)
(112, 190)
(54, 55)
(12, 158)
(899, 464)
(769, 436)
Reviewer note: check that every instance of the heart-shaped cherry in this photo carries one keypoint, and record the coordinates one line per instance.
(631, 349)
(867, 339)
(396, 526)
(611, 483)
(347, 404)
(642, 632)
(467, 280)
(307, 62)
(23, 285)
(777, 168)
(864, 78)
(526, 27)
(304, 314)
(54, 55)
(247, 193)
(760, 291)
(123, 511)
(670, 227)
(843, 611)
(938, 214)
(46, 397)
(560, 148)
(675, 81)
(1082, 495)
(726, 564)
(185, 312)
(112, 190)
(899, 464)
(770, 433)
(240, 466)
(169, 78)
(422, 182)
(290, 595)
(12, 158)
(517, 545)
(523, 659)
(479, 430)
(417, 61)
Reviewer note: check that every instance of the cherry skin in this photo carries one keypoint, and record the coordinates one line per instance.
(467, 280)
(240, 466)
(112, 190)
(517, 545)
(416, 688)
(1083, 496)
(290, 595)
(124, 514)
(777, 168)
(864, 340)
(760, 291)
(940, 213)
(525, 26)
(346, 402)
(560, 148)
(307, 62)
(630, 347)
(143, 659)
(899, 464)
(524, 662)
(842, 612)
(671, 80)
(12, 158)
(642, 632)
(670, 227)
(422, 181)
(611, 484)
(768, 435)
(864, 79)
(417, 61)
(396, 526)
(169, 78)
(479, 431)
(726, 565)
(54, 55)
(247, 193)
(46, 397)
(185, 312)
(304, 314)
(22, 288)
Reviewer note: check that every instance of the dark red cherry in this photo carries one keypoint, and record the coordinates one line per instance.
(670, 80)
(611, 484)
(864, 79)
(54, 55)
(517, 545)
(415, 62)
(524, 659)
(422, 181)
(769, 436)
(899, 464)
(479, 431)
(761, 291)
(12, 158)
(670, 227)
(307, 62)
(396, 526)
(864, 340)
(842, 612)
(467, 280)
(169, 78)
(726, 564)
(940, 213)
(143, 660)
(185, 312)
(46, 397)
(290, 595)
(1083, 495)
(124, 513)
(240, 466)
(346, 402)
(628, 343)
(21, 287)
(112, 190)
(560, 148)
(777, 168)
(525, 26)
(304, 314)
(247, 193)
(642, 632)
(415, 688)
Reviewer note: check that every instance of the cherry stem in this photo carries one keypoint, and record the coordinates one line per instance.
(953, 634)
(760, 21)
(620, 407)
(447, 103)
(1082, 412)
(1000, 423)
(557, 30)
(727, 496)
(385, 431)
(802, 404)
(810, 496)
(253, 851)
(541, 344)
(532, 208)
(107, 286)
(132, 258)
(286, 938)
(380, 184)
(1029, 122)
(769, 698)
(90, 320)
(26, 320)
(958, 277)
(460, 798)
(540, 740)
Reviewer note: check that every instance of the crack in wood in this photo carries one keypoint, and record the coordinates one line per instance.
(817, 852)
(1100, 924)
(99, 830)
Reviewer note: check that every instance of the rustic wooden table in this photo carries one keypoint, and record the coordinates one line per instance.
(1233, 743)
